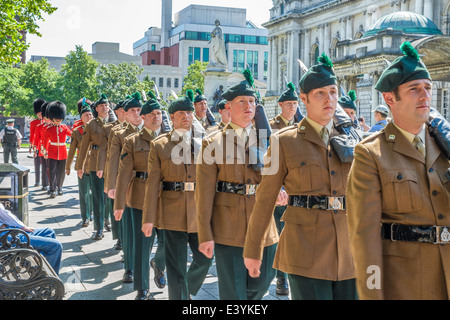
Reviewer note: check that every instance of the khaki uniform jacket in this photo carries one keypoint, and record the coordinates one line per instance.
(277, 123)
(103, 148)
(314, 243)
(130, 190)
(391, 182)
(75, 143)
(223, 217)
(114, 152)
(92, 136)
(170, 210)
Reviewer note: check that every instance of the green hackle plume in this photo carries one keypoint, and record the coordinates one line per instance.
(410, 51)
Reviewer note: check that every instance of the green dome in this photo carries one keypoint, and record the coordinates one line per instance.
(405, 21)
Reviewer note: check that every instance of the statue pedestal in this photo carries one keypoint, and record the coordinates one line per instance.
(213, 80)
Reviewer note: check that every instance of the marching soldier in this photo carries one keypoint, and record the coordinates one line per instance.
(130, 192)
(37, 104)
(314, 247)
(224, 113)
(288, 103)
(347, 102)
(399, 194)
(11, 139)
(171, 180)
(37, 140)
(87, 156)
(84, 181)
(54, 144)
(201, 109)
(225, 196)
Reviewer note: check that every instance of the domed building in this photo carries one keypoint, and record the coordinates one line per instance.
(362, 37)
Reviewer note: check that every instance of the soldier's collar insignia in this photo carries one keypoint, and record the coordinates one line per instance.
(392, 137)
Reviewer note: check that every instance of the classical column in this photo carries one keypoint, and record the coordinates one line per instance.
(274, 68)
(349, 28)
(375, 96)
(419, 7)
(327, 38)
(428, 9)
(306, 47)
(321, 30)
(294, 54)
(269, 67)
(342, 25)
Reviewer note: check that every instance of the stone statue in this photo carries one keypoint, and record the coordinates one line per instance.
(218, 57)
(217, 98)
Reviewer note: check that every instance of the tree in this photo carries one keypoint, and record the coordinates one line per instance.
(117, 81)
(78, 78)
(13, 97)
(195, 78)
(17, 18)
(41, 81)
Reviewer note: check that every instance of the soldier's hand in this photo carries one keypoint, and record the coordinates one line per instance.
(118, 214)
(100, 174)
(80, 174)
(253, 266)
(283, 198)
(112, 193)
(147, 229)
(68, 172)
(207, 248)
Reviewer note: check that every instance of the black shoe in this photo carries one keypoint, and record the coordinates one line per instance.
(142, 295)
(60, 193)
(37, 184)
(160, 279)
(85, 223)
(44, 188)
(128, 277)
(282, 287)
(99, 235)
(107, 226)
(118, 245)
(52, 194)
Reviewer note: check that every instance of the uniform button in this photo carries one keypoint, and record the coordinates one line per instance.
(302, 164)
(434, 192)
(440, 216)
(248, 180)
(399, 177)
(189, 176)
(335, 211)
(333, 173)
(330, 154)
(334, 192)
(431, 170)
(249, 166)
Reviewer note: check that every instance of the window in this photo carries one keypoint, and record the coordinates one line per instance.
(205, 54)
(266, 64)
(169, 82)
(153, 61)
(263, 40)
(161, 82)
(191, 55)
(153, 47)
(252, 62)
(238, 60)
(250, 39)
(175, 82)
(194, 55)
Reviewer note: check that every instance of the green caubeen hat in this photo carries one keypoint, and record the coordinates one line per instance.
(200, 96)
(319, 75)
(183, 103)
(406, 68)
(290, 94)
(134, 102)
(243, 88)
(103, 99)
(348, 101)
(151, 104)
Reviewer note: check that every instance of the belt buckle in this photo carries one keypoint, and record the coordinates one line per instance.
(442, 235)
(189, 186)
(250, 189)
(392, 232)
(335, 203)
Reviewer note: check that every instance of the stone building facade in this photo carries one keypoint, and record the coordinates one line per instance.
(362, 37)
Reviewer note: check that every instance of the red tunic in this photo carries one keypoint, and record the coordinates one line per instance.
(54, 141)
(38, 135)
(33, 125)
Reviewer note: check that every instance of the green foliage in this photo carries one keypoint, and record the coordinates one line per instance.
(12, 95)
(195, 78)
(78, 78)
(19, 16)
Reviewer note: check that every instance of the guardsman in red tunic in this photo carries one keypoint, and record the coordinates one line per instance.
(37, 141)
(55, 149)
(37, 104)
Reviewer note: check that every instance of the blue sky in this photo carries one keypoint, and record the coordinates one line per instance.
(83, 22)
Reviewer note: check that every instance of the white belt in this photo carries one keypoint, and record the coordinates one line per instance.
(57, 144)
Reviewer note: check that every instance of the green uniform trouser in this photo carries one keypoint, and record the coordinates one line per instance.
(7, 150)
(277, 214)
(234, 280)
(98, 200)
(84, 186)
(182, 282)
(303, 288)
(116, 226)
(127, 239)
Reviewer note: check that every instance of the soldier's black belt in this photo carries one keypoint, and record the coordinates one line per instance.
(238, 188)
(426, 234)
(318, 202)
(142, 175)
(94, 147)
(178, 186)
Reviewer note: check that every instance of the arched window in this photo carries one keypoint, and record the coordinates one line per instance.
(314, 54)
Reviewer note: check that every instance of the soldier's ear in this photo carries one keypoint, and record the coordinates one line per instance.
(389, 98)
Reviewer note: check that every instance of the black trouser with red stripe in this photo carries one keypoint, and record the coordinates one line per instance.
(57, 173)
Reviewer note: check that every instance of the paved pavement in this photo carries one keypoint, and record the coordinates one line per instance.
(93, 270)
